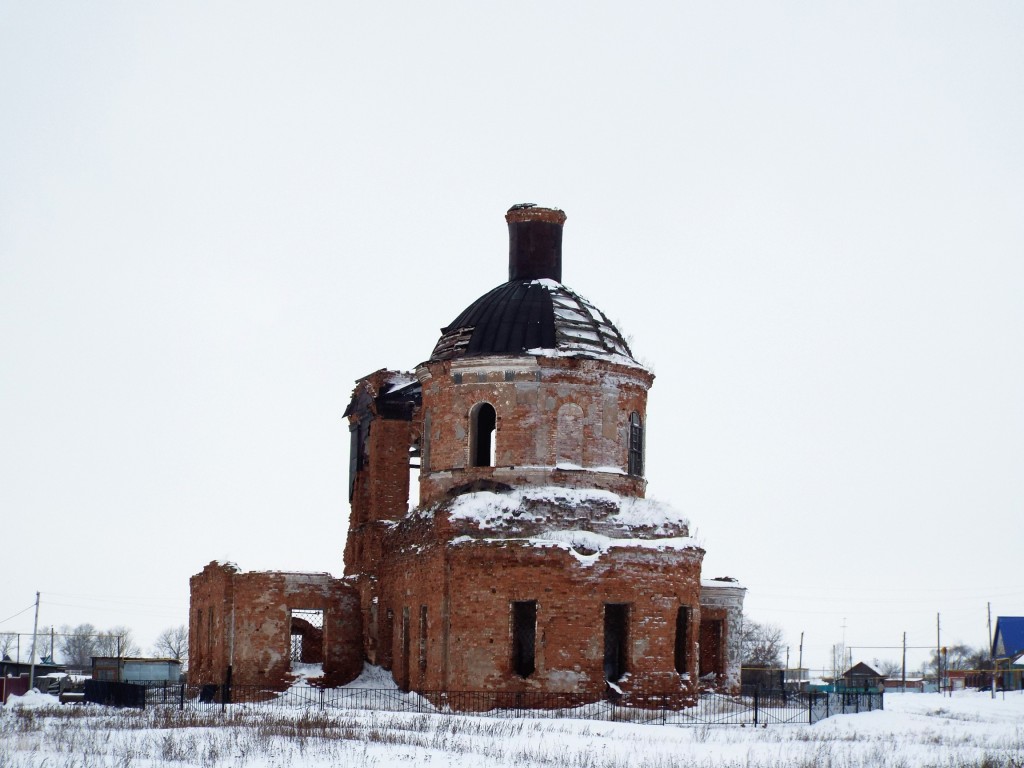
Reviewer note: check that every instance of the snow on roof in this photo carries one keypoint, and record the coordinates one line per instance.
(399, 379)
(721, 582)
(497, 511)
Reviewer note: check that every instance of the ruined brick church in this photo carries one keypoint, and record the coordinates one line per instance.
(533, 560)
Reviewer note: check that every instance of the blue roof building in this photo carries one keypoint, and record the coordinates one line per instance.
(1008, 642)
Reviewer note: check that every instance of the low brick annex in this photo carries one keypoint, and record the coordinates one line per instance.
(532, 560)
(246, 622)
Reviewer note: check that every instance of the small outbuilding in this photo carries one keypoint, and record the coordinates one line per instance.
(135, 670)
(861, 677)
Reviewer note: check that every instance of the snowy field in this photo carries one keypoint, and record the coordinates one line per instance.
(969, 729)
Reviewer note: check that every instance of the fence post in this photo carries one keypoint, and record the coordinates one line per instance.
(225, 695)
(755, 707)
(322, 692)
(181, 705)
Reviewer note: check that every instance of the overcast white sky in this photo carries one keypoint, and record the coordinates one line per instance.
(807, 217)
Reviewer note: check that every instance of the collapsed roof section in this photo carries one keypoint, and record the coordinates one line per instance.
(389, 394)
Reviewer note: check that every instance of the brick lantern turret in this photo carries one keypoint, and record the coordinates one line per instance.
(532, 385)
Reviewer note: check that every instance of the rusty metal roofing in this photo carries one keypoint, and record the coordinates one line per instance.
(532, 317)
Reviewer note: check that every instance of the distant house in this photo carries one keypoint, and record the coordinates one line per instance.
(1008, 651)
(133, 670)
(14, 676)
(860, 677)
(10, 668)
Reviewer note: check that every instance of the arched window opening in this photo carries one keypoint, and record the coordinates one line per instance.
(482, 422)
(569, 439)
(636, 444)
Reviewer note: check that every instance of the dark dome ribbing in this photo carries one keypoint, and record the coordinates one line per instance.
(521, 316)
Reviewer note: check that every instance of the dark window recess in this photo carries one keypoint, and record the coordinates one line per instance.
(360, 433)
(682, 625)
(425, 444)
(209, 631)
(616, 622)
(387, 640)
(483, 421)
(423, 639)
(404, 682)
(457, 378)
(711, 647)
(636, 444)
(353, 459)
(524, 637)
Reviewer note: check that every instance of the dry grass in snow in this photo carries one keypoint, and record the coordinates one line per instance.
(970, 730)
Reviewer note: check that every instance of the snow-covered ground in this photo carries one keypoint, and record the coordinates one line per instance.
(969, 729)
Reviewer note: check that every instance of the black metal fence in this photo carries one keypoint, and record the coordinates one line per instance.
(759, 708)
(115, 694)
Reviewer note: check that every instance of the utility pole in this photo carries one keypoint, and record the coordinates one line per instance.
(904, 681)
(991, 650)
(800, 665)
(32, 658)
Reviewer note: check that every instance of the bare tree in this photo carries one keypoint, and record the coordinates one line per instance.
(888, 667)
(961, 656)
(77, 645)
(762, 645)
(172, 643)
(8, 641)
(116, 641)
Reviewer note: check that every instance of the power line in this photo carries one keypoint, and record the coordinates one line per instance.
(24, 610)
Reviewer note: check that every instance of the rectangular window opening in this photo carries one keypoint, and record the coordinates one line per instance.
(711, 647)
(524, 637)
(423, 639)
(306, 648)
(682, 627)
(616, 623)
(405, 676)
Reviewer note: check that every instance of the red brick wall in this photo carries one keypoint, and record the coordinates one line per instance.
(381, 490)
(468, 588)
(254, 610)
(527, 394)
(209, 619)
(570, 615)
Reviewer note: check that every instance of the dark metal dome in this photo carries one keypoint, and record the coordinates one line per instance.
(533, 313)
(532, 317)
